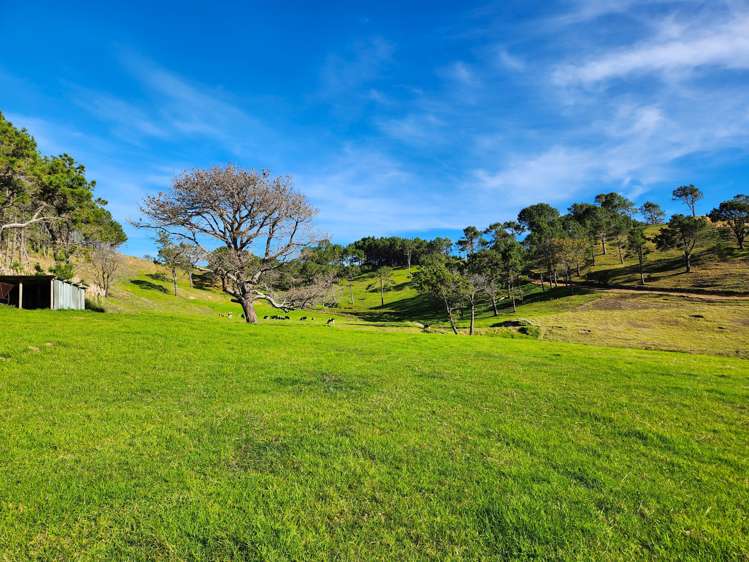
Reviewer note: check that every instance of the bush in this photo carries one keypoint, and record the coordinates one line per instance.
(63, 270)
(94, 305)
(532, 331)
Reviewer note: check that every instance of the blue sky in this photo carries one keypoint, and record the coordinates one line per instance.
(413, 118)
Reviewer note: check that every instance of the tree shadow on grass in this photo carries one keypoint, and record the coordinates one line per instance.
(665, 267)
(661, 269)
(418, 307)
(540, 295)
(148, 285)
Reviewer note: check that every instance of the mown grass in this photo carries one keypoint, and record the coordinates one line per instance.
(150, 436)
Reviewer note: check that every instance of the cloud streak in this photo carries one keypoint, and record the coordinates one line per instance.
(725, 46)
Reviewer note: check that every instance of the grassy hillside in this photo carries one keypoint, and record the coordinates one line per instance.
(695, 324)
(152, 436)
(142, 286)
(716, 266)
(403, 305)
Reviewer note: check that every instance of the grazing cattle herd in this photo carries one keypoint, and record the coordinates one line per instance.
(330, 322)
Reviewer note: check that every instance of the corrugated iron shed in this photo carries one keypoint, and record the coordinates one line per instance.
(42, 291)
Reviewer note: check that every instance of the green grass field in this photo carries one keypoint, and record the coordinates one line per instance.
(167, 437)
(164, 430)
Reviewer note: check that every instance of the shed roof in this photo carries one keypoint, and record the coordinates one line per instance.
(45, 277)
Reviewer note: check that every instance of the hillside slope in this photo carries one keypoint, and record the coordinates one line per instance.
(144, 287)
(692, 323)
(697, 324)
(717, 266)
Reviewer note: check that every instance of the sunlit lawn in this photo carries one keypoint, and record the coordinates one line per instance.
(156, 437)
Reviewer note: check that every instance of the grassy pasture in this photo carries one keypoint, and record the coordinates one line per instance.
(695, 324)
(716, 266)
(155, 436)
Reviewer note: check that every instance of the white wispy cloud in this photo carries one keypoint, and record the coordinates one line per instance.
(632, 148)
(415, 129)
(461, 74)
(630, 137)
(584, 11)
(129, 121)
(366, 61)
(364, 191)
(173, 108)
(723, 45)
(553, 175)
(561, 112)
(54, 138)
(510, 61)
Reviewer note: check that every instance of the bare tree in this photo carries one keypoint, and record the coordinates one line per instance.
(219, 265)
(245, 210)
(193, 254)
(385, 280)
(172, 256)
(317, 290)
(105, 262)
(474, 283)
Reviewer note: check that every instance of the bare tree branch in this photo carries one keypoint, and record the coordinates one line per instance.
(36, 218)
(245, 211)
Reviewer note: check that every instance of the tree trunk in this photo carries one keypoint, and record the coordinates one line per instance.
(248, 307)
(473, 318)
(449, 310)
(603, 244)
(494, 305)
(511, 296)
(382, 293)
(189, 275)
(621, 256)
(174, 281)
(688, 261)
(543, 287)
(642, 275)
(351, 289)
(577, 267)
